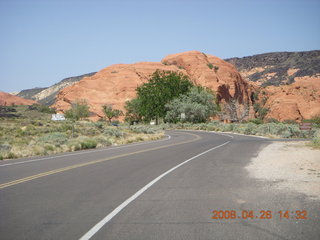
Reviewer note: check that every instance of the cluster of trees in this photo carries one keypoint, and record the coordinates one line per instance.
(80, 110)
(171, 96)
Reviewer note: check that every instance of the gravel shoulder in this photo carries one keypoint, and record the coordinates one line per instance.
(292, 166)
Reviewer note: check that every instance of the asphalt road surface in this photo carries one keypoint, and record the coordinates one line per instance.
(191, 185)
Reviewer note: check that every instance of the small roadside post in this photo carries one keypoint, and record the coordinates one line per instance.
(306, 127)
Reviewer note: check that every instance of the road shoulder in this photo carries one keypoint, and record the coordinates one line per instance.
(292, 166)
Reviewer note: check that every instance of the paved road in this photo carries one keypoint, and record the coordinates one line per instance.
(119, 188)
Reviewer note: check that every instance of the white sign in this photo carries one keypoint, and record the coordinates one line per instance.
(58, 117)
(183, 116)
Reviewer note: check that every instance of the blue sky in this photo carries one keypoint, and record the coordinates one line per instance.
(44, 41)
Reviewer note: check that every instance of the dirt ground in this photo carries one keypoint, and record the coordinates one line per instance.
(292, 166)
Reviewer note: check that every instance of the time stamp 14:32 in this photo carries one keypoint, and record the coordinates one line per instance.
(262, 214)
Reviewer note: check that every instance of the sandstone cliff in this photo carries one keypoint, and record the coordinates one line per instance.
(116, 84)
(292, 81)
(298, 101)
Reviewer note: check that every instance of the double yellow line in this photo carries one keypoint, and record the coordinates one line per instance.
(59, 170)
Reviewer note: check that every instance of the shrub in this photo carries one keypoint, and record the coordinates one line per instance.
(11, 155)
(316, 139)
(210, 65)
(79, 110)
(5, 147)
(256, 121)
(1, 157)
(103, 141)
(271, 120)
(88, 143)
(98, 125)
(289, 121)
(250, 129)
(113, 132)
(55, 138)
(143, 129)
(48, 147)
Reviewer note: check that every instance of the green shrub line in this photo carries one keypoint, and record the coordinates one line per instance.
(272, 130)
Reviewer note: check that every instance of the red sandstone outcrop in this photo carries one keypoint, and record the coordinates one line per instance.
(300, 100)
(116, 84)
(7, 99)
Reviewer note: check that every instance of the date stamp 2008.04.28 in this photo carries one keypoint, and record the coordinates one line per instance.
(260, 214)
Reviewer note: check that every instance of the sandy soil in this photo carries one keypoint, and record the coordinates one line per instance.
(292, 165)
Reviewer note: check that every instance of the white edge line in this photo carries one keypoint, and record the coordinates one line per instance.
(105, 220)
(85, 152)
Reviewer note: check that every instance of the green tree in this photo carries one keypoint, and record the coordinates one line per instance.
(111, 113)
(79, 110)
(161, 88)
(196, 106)
(133, 111)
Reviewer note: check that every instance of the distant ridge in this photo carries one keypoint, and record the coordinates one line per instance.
(278, 68)
(46, 96)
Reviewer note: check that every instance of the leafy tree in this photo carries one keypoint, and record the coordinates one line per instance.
(79, 110)
(111, 113)
(196, 106)
(161, 88)
(133, 111)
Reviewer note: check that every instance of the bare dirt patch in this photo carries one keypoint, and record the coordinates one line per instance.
(292, 165)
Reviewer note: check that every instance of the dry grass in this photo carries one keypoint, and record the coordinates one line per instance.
(24, 137)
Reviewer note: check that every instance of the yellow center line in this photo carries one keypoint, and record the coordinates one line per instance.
(59, 170)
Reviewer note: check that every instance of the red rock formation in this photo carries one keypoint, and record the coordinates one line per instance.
(300, 100)
(7, 99)
(116, 84)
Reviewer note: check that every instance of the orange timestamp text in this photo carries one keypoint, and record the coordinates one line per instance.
(260, 214)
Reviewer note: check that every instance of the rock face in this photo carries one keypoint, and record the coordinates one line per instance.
(7, 99)
(298, 101)
(214, 73)
(116, 84)
(292, 81)
(46, 96)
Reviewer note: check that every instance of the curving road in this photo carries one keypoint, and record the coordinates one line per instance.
(168, 189)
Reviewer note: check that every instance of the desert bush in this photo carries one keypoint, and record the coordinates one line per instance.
(250, 129)
(55, 138)
(113, 132)
(210, 65)
(11, 155)
(103, 141)
(143, 129)
(256, 121)
(5, 147)
(49, 147)
(88, 143)
(98, 125)
(316, 139)
(271, 120)
(289, 121)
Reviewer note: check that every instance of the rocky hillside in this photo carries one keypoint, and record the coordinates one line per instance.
(116, 84)
(279, 68)
(297, 101)
(47, 96)
(7, 99)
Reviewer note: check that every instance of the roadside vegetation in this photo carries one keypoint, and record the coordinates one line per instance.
(169, 99)
(31, 132)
